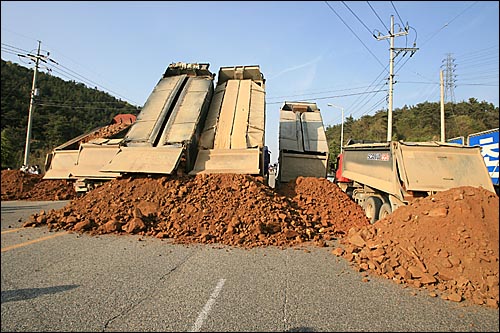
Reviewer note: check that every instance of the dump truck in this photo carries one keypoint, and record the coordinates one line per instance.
(303, 148)
(183, 128)
(163, 135)
(233, 136)
(381, 177)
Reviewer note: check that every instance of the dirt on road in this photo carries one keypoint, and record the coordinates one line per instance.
(445, 244)
(18, 185)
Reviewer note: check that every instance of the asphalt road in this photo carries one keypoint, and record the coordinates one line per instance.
(60, 281)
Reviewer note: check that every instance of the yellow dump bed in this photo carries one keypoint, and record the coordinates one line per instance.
(232, 139)
(303, 148)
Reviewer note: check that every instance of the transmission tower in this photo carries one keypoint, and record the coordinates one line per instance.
(449, 77)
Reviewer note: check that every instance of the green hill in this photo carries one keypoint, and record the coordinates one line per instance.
(63, 110)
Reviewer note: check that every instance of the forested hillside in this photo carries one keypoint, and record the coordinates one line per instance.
(421, 122)
(63, 110)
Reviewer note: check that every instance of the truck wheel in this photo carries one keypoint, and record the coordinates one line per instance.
(385, 210)
(372, 207)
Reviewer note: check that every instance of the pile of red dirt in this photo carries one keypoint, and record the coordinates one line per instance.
(446, 243)
(106, 132)
(221, 208)
(18, 185)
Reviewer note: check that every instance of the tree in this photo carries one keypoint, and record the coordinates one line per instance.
(8, 150)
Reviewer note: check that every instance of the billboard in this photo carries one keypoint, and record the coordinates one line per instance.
(488, 140)
(460, 140)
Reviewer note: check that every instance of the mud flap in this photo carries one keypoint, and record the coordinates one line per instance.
(240, 161)
(163, 160)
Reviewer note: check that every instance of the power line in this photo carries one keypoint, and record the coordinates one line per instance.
(69, 106)
(479, 84)
(356, 16)
(83, 78)
(333, 10)
(327, 97)
(446, 24)
(17, 49)
(69, 72)
(315, 93)
(366, 99)
(41, 100)
(9, 51)
(479, 53)
(361, 99)
(400, 20)
(16, 33)
(386, 29)
(418, 82)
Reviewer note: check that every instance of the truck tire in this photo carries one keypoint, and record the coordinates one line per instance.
(385, 210)
(372, 207)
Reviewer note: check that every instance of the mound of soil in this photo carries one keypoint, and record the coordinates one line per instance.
(106, 132)
(18, 185)
(228, 209)
(446, 243)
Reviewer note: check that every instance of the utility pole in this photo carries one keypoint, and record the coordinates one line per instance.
(442, 106)
(34, 92)
(392, 56)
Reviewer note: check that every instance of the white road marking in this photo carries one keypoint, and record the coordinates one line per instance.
(206, 309)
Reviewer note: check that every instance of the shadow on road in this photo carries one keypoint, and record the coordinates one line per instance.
(24, 294)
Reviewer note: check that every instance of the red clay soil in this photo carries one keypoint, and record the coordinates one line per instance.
(106, 132)
(446, 243)
(228, 209)
(18, 185)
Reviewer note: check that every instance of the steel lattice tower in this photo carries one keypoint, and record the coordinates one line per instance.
(449, 77)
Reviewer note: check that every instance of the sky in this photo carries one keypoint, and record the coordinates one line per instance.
(316, 51)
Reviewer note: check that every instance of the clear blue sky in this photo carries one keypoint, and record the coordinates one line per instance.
(308, 51)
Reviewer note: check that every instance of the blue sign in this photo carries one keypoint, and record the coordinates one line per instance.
(459, 140)
(489, 149)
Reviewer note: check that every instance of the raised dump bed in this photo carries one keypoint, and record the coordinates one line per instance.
(232, 140)
(61, 161)
(303, 149)
(168, 127)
